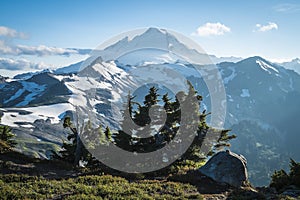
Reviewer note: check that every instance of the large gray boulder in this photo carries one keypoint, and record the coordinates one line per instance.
(227, 167)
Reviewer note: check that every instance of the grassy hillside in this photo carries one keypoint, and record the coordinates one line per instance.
(22, 177)
(92, 187)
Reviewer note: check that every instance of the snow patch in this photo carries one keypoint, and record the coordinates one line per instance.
(60, 77)
(229, 98)
(266, 67)
(245, 93)
(231, 76)
(15, 96)
(33, 89)
(26, 126)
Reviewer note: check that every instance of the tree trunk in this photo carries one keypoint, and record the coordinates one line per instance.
(78, 150)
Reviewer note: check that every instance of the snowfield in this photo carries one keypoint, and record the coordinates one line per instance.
(15, 116)
(245, 93)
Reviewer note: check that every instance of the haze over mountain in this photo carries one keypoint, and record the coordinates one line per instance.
(262, 99)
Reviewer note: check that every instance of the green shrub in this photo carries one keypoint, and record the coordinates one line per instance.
(280, 179)
(9, 178)
(295, 173)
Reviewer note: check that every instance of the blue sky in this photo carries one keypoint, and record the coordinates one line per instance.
(224, 28)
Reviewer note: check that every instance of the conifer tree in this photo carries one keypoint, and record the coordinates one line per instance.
(123, 138)
(74, 150)
(281, 180)
(6, 139)
(157, 139)
(151, 98)
(141, 117)
(295, 172)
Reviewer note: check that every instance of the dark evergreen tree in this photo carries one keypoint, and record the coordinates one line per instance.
(281, 180)
(295, 172)
(7, 141)
(151, 98)
(73, 151)
(174, 122)
(144, 138)
(123, 138)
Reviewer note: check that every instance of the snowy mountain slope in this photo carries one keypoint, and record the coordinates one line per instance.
(258, 92)
(39, 89)
(262, 100)
(254, 82)
(73, 68)
(28, 75)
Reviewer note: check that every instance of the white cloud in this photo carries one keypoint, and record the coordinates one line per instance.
(287, 8)
(209, 29)
(43, 50)
(263, 28)
(7, 48)
(21, 64)
(11, 33)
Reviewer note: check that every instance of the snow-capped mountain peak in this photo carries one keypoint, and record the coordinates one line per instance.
(158, 45)
(151, 38)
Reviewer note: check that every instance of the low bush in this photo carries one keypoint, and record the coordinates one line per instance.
(281, 180)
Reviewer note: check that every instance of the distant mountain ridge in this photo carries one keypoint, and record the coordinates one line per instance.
(293, 65)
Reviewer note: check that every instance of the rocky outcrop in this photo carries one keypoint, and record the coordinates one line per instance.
(227, 167)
